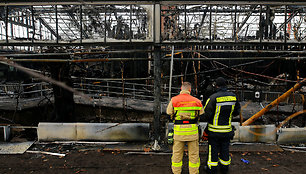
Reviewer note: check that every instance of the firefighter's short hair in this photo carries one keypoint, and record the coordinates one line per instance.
(186, 86)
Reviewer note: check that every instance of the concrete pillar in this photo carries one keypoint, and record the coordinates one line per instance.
(63, 99)
(157, 75)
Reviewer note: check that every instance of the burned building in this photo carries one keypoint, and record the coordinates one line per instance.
(121, 61)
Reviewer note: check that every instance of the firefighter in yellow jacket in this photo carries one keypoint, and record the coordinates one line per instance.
(185, 110)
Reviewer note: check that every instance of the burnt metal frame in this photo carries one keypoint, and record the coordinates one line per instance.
(156, 34)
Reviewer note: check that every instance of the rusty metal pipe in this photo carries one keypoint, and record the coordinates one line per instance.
(274, 103)
(81, 60)
(149, 59)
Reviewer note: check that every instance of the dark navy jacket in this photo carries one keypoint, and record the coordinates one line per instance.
(219, 110)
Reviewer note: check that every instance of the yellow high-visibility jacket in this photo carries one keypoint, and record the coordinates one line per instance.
(183, 108)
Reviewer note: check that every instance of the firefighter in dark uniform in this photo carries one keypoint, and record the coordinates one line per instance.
(219, 109)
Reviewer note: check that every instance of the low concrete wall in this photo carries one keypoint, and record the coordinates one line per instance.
(93, 131)
(140, 132)
(291, 135)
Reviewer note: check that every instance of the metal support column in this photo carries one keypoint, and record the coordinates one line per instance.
(157, 76)
(185, 20)
(285, 28)
(171, 72)
(33, 23)
(260, 27)
(12, 31)
(56, 24)
(81, 24)
(235, 25)
(105, 24)
(40, 31)
(27, 24)
(12, 27)
(130, 30)
(6, 24)
(210, 23)
(157, 91)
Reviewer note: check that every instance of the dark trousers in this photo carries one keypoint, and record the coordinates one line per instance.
(218, 152)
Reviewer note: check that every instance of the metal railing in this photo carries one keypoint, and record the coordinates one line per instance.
(30, 91)
(103, 88)
(18, 93)
(122, 89)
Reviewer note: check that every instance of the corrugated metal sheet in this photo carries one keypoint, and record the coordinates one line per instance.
(15, 148)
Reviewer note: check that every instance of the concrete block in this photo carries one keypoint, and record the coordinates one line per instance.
(56, 131)
(291, 135)
(4, 133)
(93, 131)
(113, 131)
(257, 133)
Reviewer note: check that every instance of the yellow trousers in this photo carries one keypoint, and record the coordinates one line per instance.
(193, 155)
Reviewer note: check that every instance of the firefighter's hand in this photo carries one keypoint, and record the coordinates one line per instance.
(204, 136)
(170, 117)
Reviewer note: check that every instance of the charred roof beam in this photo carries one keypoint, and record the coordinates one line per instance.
(253, 7)
(75, 2)
(288, 20)
(75, 22)
(44, 23)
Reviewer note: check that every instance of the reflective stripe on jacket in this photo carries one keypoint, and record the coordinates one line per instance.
(220, 108)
